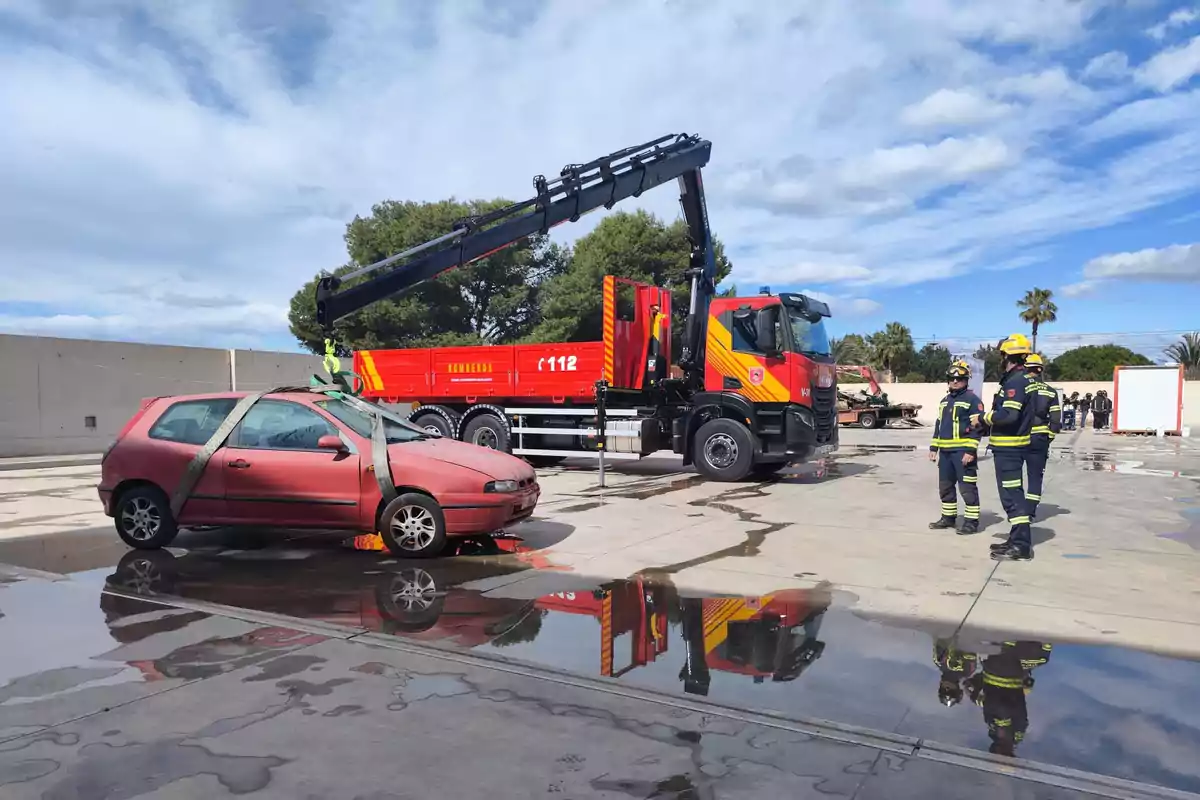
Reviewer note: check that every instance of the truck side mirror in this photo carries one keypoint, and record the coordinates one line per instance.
(764, 338)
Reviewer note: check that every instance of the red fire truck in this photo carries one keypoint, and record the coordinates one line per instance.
(754, 387)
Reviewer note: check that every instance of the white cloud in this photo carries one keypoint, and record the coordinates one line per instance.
(1179, 18)
(1175, 264)
(1107, 66)
(1080, 289)
(846, 306)
(953, 107)
(143, 144)
(1172, 67)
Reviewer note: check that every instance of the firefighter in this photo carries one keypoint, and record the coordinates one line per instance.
(1046, 425)
(957, 667)
(1001, 688)
(1010, 421)
(955, 448)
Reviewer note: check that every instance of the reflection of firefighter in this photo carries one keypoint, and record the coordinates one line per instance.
(957, 667)
(774, 635)
(1000, 688)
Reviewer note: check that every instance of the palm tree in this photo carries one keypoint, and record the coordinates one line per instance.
(1037, 307)
(891, 343)
(849, 349)
(1186, 352)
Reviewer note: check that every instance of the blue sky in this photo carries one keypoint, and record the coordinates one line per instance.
(173, 172)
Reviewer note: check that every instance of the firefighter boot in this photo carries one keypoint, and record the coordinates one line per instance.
(969, 526)
(943, 522)
(1013, 552)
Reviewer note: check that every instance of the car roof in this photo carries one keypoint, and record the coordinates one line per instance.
(297, 395)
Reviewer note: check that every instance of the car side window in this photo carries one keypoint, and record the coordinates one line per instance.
(192, 421)
(281, 425)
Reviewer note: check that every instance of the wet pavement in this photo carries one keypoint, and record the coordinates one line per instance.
(594, 663)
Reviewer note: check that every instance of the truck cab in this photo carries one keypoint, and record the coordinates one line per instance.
(768, 363)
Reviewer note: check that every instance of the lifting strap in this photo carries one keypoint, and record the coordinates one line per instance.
(380, 464)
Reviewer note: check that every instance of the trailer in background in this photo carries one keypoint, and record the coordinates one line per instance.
(1148, 399)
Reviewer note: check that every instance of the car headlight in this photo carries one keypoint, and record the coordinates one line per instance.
(501, 486)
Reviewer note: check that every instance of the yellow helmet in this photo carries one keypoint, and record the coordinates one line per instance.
(1016, 345)
(1035, 360)
(959, 369)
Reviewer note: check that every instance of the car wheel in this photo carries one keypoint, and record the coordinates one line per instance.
(868, 420)
(487, 431)
(143, 518)
(146, 573)
(413, 526)
(724, 450)
(435, 423)
(410, 599)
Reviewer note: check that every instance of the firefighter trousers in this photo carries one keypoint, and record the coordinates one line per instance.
(1010, 462)
(1035, 466)
(952, 473)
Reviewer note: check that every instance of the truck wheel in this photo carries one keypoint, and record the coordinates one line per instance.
(434, 423)
(143, 518)
(487, 431)
(413, 526)
(724, 450)
(868, 420)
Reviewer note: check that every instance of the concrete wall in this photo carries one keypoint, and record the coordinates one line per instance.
(67, 396)
(928, 395)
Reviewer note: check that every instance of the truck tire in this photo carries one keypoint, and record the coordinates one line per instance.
(724, 450)
(143, 518)
(487, 431)
(432, 421)
(868, 420)
(413, 526)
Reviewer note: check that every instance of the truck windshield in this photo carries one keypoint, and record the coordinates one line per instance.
(808, 338)
(395, 430)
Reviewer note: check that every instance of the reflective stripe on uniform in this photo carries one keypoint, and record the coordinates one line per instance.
(971, 444)
(1009, 441)
(1041, 429)
(1003, 683)
(1029, 496)
(1013, 484)
(970, 479)
(1013, 404)
(1018, 520)
(950, 509)
(971, 512)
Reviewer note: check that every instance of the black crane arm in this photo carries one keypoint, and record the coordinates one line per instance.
(580, 188)
(702, 273)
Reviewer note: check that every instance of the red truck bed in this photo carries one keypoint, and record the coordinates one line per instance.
(474, 374)
(551, 373)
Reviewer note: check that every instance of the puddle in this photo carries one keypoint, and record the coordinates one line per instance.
(1107, 462)
(872, 449)
(1189, 535)
(794, 651)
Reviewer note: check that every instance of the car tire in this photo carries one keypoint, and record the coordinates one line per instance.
(868, 420)
(143, 518)
(146, 573)
(723, 450)
(487, 430)
(410, 599)
(436, 423)
(413, 526)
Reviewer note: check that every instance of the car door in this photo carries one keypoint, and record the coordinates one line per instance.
(174, 439)
(276, 475)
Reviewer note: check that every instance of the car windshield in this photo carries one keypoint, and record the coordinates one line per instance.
(395, 429)
(809, 338)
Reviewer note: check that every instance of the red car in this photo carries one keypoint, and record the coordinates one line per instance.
(304, 459)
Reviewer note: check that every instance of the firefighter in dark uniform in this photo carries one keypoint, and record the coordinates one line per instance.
(955, 448)
(1001, 686)
(957, 667)
(1047, 424)
(1010, 422)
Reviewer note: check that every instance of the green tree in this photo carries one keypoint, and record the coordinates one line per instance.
(932, 362)
(992, 359)
(494, 299)
(1093, 362)
(892, 348)
(850, 349)
(1037, 307)
(635, 245)
(1186, 352)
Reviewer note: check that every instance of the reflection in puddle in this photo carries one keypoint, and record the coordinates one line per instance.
(791, 651)
(1100, 461)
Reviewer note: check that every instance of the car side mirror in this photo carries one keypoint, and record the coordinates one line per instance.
(331, 442)
(764, 338)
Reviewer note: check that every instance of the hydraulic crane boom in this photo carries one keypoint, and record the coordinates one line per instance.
(580, 188)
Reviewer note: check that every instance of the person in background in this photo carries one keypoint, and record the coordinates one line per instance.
(1085, 405)
(955, 448)
(1101, 408)
(1070, 406)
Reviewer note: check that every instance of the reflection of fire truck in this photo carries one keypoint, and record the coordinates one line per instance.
(773, 635)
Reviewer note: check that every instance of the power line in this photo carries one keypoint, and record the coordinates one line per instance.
(1056, 336)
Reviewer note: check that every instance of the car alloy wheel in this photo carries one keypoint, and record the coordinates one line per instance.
(414, 528)
(141, 519)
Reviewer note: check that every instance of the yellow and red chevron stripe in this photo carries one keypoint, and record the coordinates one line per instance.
(718, 613)
(606, 636)
(369, 373)
(737, 365)
(610, 316)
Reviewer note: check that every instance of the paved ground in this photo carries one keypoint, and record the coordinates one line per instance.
(816, 597)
